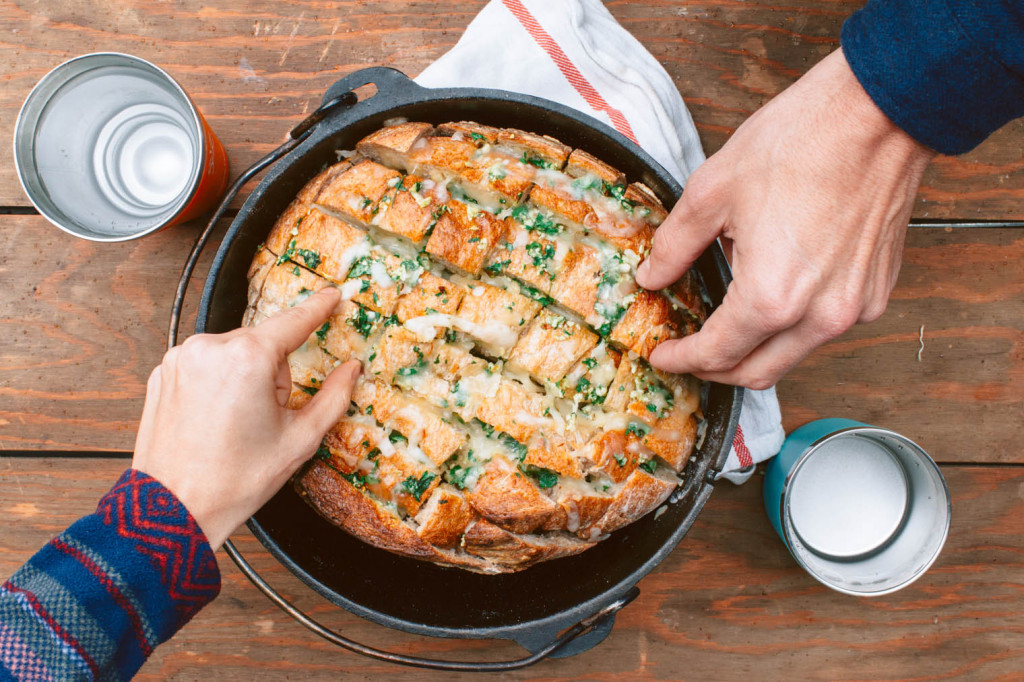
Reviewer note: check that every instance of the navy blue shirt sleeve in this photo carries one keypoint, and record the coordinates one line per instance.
(948, 72)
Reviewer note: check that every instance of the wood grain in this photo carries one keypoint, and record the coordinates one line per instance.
(964, 400)
(255, 68)
(82, 325)
(729, 603)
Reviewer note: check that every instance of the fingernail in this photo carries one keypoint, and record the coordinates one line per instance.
(641, 272)
(329, 291)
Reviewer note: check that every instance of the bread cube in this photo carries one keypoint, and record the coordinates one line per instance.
(463, 237)
(444, 517)
(356, 193)
(648, 321)
(508, 498)
(432, 294)
(391, 145)
(551, 345)
(410, 416)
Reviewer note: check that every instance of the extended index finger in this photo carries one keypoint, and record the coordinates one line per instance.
(289, 329)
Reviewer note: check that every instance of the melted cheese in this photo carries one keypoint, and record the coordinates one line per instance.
(425, 328)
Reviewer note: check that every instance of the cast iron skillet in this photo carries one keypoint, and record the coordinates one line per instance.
(531, 607)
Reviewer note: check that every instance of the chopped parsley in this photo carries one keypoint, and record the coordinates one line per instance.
(587, 182)
(620, 459)
(363, 321)
(591, 363)
(497, 267)
(534, 160)
(540, 253)
(360, 267)
(457, 475)
(396, 437)
(321, 333)
(312, 258)
(649, 465)
(636, 429)
(517, 449)
(417, 486)
(288, 253)
(478, 137)
(536, 294)
(312, 390)
(546, 478)
(618, 192)
(356, 479)
(415, 367)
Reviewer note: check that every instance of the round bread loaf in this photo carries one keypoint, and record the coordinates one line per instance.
(507, 413)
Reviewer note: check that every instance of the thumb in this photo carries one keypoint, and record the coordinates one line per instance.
(330, 403)
(679, 241)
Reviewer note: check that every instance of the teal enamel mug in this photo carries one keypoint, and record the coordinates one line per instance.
(862, 509)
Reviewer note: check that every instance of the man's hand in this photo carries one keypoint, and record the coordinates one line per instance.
(813, 194)
(215, 429)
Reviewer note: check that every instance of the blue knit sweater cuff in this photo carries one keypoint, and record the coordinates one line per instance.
(946, 73)
(97, 600)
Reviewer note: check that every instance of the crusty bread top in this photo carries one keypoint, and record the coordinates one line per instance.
(507, 413)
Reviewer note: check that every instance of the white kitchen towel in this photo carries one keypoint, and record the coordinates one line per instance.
(574, 52)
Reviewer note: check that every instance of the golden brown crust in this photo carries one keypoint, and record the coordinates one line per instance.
(507, 498)
(581, 164)
(531, 146)
(351, 510)
(444, 517)
(463, 237)
(410, 210)
(550, 345)
(296, 212)
(356, 192)
(506, 414)
(516, 552)
(641, 494)
(650, 320)
(430, 295)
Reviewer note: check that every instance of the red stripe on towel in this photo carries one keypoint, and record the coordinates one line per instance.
(742, 453)
(587, 91)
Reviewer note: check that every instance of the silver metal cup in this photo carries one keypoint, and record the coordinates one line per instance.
(109, 147)
(864, 510)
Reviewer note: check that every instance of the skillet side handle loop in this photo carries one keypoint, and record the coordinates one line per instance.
(388, 81)
(581, 628)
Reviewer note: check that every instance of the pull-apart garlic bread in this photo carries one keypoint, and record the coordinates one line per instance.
(507, 413)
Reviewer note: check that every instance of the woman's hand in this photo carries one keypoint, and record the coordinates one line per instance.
(813, 193)
(215, 429)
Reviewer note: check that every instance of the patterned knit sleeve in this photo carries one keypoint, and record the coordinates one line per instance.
(96, 600)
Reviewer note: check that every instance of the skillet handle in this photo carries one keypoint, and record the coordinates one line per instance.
(599, 622)
(389, 82)
(338, 97)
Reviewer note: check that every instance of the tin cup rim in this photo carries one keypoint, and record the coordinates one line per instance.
(789, 532)
(41, 206)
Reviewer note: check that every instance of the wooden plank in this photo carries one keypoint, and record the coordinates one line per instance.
(729, 603)
(255, 68)
(82, 325)
(963, 401)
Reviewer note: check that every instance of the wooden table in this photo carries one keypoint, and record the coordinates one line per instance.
(82, 324)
